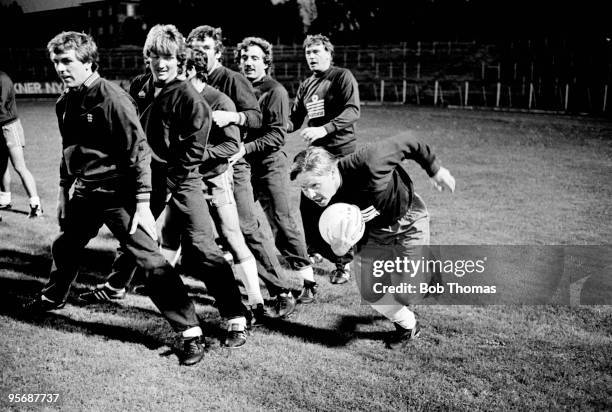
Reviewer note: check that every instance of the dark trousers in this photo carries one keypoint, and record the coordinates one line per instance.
(272, 189)
(262, 248)
(88, 210)
(188, 211)
(311, 213)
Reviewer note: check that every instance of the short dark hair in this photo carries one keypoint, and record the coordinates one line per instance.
(201, 32)
(263, 44)
(197, 62)
(84, 47)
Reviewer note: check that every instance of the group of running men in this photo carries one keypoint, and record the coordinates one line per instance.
(194, 146)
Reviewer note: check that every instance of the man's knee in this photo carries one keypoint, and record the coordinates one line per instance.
(249, 224)
(154, 263)
(59, 244)
(66, 242)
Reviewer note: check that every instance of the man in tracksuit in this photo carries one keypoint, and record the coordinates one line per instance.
(263, 149)
(329, 98)
(208, 40)
(218, 180)
(177, 122)
(107, 159)
(396, 218)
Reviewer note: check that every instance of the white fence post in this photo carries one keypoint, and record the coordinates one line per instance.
(498, 97)
(467, 92)
(382, 91)
(436, 93)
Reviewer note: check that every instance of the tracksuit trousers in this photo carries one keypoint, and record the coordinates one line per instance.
(88, 210)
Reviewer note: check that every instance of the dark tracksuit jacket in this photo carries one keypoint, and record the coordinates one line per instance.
(106, 155)
(239, 89)
(373, 176)
(142, 90)
(177, 123)
(222, 142)
(330, 100)
(8, 109)
(102, 140)
(274, 103)
(270, 171)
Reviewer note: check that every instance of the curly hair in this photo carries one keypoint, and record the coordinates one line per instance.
(264, 45)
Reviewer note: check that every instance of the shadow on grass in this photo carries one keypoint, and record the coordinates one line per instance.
(14, 292)
(95, 264)
(16, 211)
(344, 333)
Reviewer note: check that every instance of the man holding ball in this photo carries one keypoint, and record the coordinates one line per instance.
(373, 179)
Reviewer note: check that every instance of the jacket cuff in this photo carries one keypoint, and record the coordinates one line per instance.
(433, 168)
(329, 128)
(242, 119)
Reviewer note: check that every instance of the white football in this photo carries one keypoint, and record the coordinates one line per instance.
(332, 218)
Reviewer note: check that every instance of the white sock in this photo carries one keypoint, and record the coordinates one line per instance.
(34, 201)
(193, 332)
(238, 323)
(5, 198)
(43, 297)
(399, 314)
(247, 271)
(307, 273)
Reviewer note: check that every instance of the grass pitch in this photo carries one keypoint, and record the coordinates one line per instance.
(521, 180)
